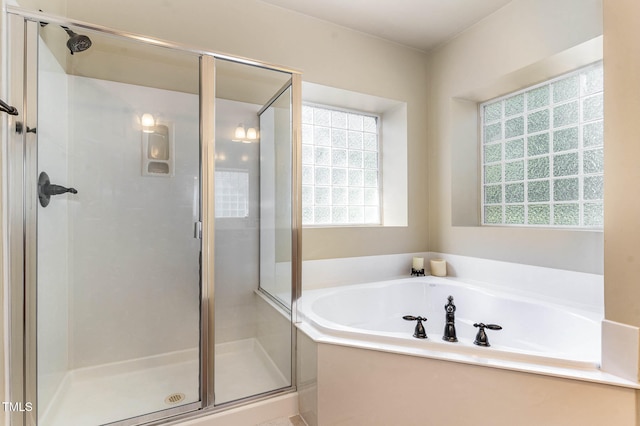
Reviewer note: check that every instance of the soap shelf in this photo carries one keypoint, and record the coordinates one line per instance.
(158, 151)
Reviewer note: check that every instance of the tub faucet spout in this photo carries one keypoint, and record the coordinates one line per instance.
(450, 325)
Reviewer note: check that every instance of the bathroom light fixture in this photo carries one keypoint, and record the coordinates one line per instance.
(148, 123)
(240, 133)
(245, 136)
(252, 134)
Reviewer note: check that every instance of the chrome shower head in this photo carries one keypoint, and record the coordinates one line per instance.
(77, 42)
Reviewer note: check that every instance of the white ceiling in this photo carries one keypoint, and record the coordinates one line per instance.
(422, 24)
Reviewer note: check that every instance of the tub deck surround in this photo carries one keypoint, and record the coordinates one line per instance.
(537, 336)
(580, 290)
(359, 387)
(569, 288)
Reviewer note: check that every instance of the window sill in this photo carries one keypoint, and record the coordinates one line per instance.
(541, 227)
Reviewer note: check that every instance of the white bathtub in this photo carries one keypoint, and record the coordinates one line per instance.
(534, 332)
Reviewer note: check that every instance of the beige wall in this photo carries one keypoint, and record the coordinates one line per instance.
(519, 44)
(326, 54)
(622, 150)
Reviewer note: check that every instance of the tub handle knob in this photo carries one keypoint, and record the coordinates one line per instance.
(419, 332)
(46, 189)
(481, 337)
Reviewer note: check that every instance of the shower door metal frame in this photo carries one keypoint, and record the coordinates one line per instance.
(207, 209)
(295, 86)
(20, 164)
(21, 219)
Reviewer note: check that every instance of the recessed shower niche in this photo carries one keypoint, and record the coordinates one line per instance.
(158, 150)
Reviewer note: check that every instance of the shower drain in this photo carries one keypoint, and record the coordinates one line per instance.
(174, 398)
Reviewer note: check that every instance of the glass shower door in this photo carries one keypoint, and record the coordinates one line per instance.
(275, 196)
(253, 335)
(118, 273)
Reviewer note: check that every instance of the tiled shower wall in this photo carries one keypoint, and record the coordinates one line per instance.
(135, 284)
(117, 263)
(53, 228)
(131, 282)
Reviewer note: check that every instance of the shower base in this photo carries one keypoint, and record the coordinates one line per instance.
(112, 392)
(244, 368)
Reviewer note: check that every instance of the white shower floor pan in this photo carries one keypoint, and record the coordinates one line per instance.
(112, 392)
(243, 368)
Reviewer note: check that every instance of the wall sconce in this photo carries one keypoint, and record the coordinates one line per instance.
(245, 136)
(240, 133)
(148, 123)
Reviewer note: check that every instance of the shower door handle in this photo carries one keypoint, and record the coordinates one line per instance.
(46, 189)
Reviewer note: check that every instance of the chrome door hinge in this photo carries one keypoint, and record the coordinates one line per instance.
(197, 230)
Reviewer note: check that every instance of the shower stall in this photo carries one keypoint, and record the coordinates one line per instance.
(153, 226)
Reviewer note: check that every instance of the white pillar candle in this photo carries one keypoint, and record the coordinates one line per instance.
(418, 263)
(438, 267)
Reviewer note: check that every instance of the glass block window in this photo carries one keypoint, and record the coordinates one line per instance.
(340, 167)
(542, 154)
(231, 194)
